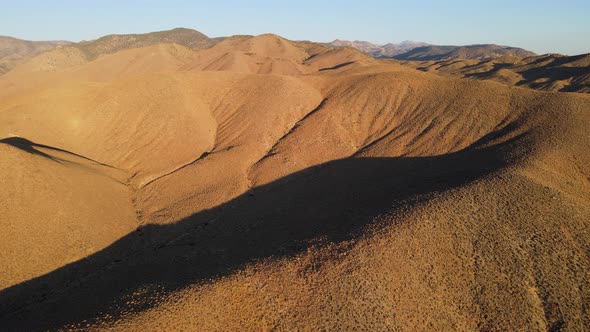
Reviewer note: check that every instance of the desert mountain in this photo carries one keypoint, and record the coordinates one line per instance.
(363, 46)
(488, 51)
(266, 184)
(388, 50)
(417, 51)
(13, 51)
(550, 72)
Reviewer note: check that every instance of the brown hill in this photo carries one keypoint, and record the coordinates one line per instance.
(14, 51)
(53, 223)
(271, 54)
(550, 72)
(264, 184)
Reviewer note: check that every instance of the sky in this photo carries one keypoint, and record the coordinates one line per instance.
(540, 26)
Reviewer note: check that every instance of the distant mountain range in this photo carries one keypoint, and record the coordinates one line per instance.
(379, 51)
(418, 51)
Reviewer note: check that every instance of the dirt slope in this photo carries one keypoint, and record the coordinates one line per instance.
(264, 184)
(58, 207)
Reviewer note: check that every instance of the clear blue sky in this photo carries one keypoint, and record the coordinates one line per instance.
(541, 25)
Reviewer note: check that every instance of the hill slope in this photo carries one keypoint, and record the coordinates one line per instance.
(265, 184)
(54, 222)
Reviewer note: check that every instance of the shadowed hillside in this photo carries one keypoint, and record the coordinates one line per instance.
(282, 219)
(416, 51)
(388, 50)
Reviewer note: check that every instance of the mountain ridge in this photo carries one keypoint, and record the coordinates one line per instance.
(377, 50)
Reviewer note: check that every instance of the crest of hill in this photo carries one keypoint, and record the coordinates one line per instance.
(264, 54)
(272, 54)
(13, 50)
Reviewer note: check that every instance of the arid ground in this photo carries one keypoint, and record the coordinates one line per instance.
(255, 183)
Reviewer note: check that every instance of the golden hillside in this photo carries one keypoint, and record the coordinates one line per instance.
(265, 184)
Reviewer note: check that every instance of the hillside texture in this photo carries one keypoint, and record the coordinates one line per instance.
(262, 184)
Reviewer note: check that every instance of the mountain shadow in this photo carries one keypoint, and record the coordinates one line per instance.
(338, 66)
(334, 201)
